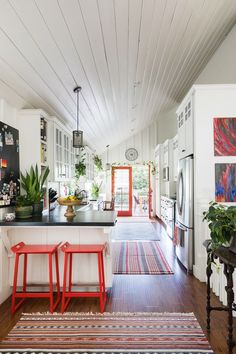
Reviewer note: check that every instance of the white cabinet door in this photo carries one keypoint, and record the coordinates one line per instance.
(181, 135)
(185, 129)
(175, 158)
(188, 122)
(64, 154)
(166, 153)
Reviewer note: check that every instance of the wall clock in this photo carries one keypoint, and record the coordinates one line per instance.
(131, 154)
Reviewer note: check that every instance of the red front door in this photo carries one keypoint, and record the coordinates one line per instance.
(122, 190)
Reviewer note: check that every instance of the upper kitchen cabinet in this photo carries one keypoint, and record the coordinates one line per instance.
(185, 127)
(62, 157)
(33, 137)
(175, 157)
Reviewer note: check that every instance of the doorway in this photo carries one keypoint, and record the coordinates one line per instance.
(131, 190)
(140, 190)
(122, 190)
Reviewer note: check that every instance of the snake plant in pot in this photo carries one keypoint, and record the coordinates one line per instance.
(222, 224)
(33, 184)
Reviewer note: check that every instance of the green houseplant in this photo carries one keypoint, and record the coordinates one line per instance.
(222, 224)
(97, 162)
(80, 167)
(24, 207)
(33, 184)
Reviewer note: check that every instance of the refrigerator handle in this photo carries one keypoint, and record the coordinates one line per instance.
(181, 227)
(180, 196)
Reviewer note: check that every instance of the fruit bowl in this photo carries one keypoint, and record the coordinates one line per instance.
(70, 205)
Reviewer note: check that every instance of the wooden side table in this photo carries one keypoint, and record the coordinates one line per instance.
(228, 259)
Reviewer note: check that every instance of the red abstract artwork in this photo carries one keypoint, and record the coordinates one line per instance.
(225, 136)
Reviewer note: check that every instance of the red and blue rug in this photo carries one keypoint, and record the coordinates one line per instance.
(162, 333)
(139, 257)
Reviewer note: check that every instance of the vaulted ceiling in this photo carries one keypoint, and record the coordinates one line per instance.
(133, 58)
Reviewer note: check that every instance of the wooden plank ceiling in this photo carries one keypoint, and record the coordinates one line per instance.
(133, 58)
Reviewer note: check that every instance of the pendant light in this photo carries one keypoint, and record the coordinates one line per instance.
(77, 134)
(108, 165)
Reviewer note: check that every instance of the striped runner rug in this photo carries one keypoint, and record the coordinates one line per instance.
(139, 257)
(107, 333)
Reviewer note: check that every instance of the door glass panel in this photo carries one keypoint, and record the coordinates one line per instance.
(121, 189)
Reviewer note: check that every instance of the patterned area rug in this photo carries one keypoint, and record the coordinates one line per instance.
(171, 333)
(135, 231)
(139, 257)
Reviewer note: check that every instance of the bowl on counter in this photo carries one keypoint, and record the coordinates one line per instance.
(70, 212)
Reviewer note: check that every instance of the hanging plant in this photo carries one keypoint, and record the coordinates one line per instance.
(98, 162)
(80, 167)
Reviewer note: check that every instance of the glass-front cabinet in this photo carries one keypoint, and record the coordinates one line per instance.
(64, 154)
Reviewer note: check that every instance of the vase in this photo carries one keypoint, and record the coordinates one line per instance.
(24, 212)
(38, 209)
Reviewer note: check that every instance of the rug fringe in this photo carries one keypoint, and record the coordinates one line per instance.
(111, 313)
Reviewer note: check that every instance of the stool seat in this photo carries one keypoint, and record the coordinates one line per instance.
(69, 250)
(22, 248)
(25, 250)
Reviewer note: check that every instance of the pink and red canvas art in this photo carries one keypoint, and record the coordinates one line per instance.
(225, 182)
(225, 136)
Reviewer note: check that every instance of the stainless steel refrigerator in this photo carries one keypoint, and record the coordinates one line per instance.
(184, 213)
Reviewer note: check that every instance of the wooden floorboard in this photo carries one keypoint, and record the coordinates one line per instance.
(144, 293)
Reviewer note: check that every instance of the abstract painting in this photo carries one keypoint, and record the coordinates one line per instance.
(225, 182)
(225, 136)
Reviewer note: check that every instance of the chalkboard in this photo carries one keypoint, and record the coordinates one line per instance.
(9, 165)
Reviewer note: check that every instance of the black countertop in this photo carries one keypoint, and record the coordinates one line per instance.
(56, 218)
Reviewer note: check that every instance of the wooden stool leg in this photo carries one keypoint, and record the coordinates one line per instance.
(58, 281)
(100, 282)
(64, 283)
(25, 273)
(103, 280)
(50, 282)
(13, 301)
(70, 273)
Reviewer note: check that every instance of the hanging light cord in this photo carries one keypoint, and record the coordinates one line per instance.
(77, 90)
(107, 151)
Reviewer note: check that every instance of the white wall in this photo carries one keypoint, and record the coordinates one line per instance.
(209, 102)
(8, 113)
(221, 68)
(167, 125)
(144, 142)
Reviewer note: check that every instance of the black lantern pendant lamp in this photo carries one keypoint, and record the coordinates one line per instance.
(77, 134)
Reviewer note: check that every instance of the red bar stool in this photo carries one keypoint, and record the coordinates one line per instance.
(23, 249)
(69, 250)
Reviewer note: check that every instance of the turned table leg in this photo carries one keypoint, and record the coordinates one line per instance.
(228, 271)
(208, 305)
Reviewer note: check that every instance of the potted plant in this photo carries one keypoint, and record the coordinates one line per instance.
(33, 184)
(95, 190)
(24, 207)
(97, 162)
(222, 224)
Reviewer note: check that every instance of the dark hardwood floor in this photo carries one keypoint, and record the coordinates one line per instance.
(147, 293)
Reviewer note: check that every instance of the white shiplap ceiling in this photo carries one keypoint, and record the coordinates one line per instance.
(133, 58)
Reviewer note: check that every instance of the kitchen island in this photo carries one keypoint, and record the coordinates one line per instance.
(87, 227)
